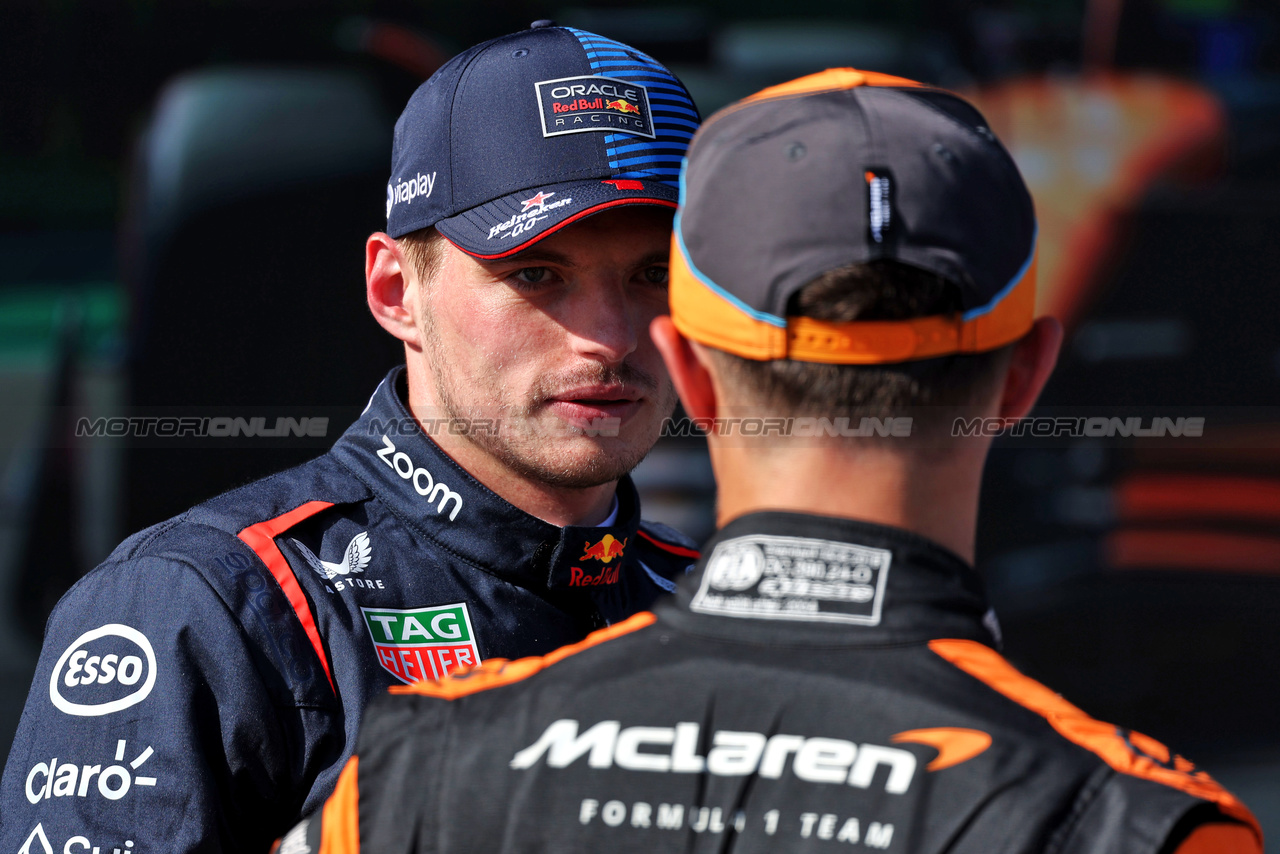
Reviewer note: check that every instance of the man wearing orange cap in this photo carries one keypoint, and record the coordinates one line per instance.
(851, 248)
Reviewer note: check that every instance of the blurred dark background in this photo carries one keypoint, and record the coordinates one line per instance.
(185, 188)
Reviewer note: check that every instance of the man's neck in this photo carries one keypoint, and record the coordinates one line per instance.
(559, 506)
(933, 495)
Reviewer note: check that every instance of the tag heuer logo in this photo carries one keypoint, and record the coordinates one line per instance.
(422, 643)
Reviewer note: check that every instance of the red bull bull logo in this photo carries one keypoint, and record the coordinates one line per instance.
(622, 106)
(606, 550)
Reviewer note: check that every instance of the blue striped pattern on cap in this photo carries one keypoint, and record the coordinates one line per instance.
(675, 118)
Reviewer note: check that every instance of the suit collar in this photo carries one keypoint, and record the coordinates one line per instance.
(791, 577)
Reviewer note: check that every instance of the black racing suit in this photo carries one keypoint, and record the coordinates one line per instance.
(201, 690)
(819, 685)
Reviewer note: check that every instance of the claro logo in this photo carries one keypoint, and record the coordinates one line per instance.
(732, 754)
(423, 483)
(105, 670)
(54, 779)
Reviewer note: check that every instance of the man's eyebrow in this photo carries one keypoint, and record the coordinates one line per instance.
(660, 257)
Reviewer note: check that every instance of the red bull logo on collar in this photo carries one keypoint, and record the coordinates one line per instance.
(606, 550)
(579, 578)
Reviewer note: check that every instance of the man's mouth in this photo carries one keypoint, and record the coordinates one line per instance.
(588, 404)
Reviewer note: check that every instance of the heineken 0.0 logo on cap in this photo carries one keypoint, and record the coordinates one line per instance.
(422, 643)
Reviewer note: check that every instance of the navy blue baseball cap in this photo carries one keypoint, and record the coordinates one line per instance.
(520, 136)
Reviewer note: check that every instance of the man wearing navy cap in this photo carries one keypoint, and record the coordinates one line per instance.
(851, 246)
(202, 688)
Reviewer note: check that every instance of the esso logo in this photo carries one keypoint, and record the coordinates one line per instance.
(105, 670)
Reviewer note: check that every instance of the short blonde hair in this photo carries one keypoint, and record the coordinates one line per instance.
(425, 250)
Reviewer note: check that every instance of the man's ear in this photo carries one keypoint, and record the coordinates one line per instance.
(391, 288)
(690, 376)
(1033, 359)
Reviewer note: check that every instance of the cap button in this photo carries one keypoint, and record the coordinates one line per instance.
(542, 23)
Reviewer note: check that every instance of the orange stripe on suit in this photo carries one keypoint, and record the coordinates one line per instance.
(988, 666)
(340, 820)
(261, 538)
(497, 672)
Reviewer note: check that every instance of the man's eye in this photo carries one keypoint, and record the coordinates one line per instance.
(655, 275)
(532, 275)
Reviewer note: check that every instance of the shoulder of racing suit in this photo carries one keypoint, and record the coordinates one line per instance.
(1136, 788)
(229, 542)
(177, 701)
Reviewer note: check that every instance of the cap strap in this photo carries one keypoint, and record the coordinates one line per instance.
(872, 342)
(702, 314)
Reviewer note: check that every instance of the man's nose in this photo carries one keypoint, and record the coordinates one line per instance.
(604, 324)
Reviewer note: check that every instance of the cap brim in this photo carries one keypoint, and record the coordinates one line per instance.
(513, 223)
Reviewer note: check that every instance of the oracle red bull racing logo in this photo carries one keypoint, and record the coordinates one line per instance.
(422, 643)
(594, 103)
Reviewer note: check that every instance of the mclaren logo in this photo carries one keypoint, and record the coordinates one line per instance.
(954, 745)
(738, 754)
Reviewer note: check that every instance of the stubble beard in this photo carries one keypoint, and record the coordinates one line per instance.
(527, 445)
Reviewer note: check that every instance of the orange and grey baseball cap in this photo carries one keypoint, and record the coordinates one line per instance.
(839, 168)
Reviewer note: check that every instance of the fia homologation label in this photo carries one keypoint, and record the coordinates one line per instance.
(794, 578)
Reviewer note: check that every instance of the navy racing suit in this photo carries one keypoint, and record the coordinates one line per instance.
(202, 688)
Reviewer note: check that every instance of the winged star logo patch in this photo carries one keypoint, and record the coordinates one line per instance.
(344, 573)
(354, 561)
